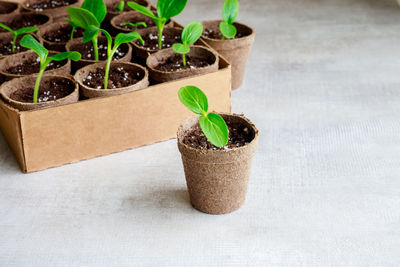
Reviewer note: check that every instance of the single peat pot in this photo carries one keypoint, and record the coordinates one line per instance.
(27, 63)
(123, 54)
(217, 179)
(124, 78)
(56, 35)
(20, 20)
(235, 50)
(8, 7)
(56, 8)
(171, 35)
(132, 17)
(54, 90)
(166, 65)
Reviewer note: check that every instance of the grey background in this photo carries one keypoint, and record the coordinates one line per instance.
(322, 86)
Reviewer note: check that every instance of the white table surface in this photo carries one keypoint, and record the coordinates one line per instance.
(323, 86)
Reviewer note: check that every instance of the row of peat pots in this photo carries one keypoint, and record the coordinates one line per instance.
(217, 176)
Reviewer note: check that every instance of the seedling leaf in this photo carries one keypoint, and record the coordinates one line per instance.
(90, 32)
(135, 25)
(215, 129)
(120, 6)
(73, 55)
(123, 38)
(227, 30)
(31, 43)
(5, 27)
(170, 8)
(230, 11)
(97, 8)
(82, 18)
(26, 30)
(192, 32)
(142, 9)
(181, 48)
(194, 99)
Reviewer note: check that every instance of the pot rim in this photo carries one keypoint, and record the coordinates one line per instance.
(116, 13)
(250, 36)
(15, 14)
(46, 29)
(24, 2)
(17, 5)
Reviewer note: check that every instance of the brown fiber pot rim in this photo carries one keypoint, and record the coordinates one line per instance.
(10, 17)
(170, 52)
(111, 4)
(54, 11)
(73, 97)
(49, 28)
(155, 30)
(12, 7)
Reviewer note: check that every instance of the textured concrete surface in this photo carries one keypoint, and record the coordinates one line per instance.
(323, 87)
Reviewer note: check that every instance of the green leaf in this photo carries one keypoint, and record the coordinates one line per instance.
(170, 8)
(123, 38)
(230, 11)
(31, 43)
(192, 32)
(142, 9)
(6, 28)
(82, 18)
(134, 25)
(194, 99)
(26, 30)
(215, 129)
(71, 23)
(120, 6)
(181, 48)
(90, 32)
(73, 55)
(97, 8)
(227, 30)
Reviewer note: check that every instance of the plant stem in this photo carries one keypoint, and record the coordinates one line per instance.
(184, 59)
(14, 42)
(37, 84)
(107, 72)
(160, 28)
(95, 48)
(72, 33)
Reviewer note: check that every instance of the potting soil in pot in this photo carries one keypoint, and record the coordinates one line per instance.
(118, 78)
(33, 67)
(87, 51)
(25, 20)
(6, 47)
(175, 63)
(49, 4)
(151, 41)
(62, 34)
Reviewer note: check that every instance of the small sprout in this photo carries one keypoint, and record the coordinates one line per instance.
(29, 42)
(18, 32)
(166, 9)
(230, 12)
(190, 34)
(120, 6)
(135, 25)
(213, 125)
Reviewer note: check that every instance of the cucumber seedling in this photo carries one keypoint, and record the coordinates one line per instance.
(29, 42)
(120, 6)
(17, 33)
(166, 9)
(135, 25)
(190, 34)
(230, 11)
(213, 125)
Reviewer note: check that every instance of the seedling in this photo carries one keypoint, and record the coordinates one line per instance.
(18, 32)
(120, 6)
(190, 34)
(29, 42)
(166, 9)
(213, 125)
(134, 25)
(230, 12)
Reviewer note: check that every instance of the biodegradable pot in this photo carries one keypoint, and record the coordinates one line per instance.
(75, 44)
(143, 52)
(7, 38)
(25, 58)
(217, 180)
(19, 20)
(163, 55)
(7, 7)
(89, 92)
(236, 51)
(8, 88)
(58, 13)
(45, 31)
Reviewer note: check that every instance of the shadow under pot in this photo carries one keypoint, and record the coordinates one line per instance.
(6, 44)
(54, 90)
(55, 36)
(123, 78)
(123, 54)
(20, 20)
(28, 63)
(171, 36)
(235, 50)
(166, 65)
(55, 8)
(7, 7)
(217, 179)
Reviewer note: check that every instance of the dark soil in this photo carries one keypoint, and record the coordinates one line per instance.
(6, 47)
(87, 51)
(149, 21)
(218, 35)
(126, 7)
(33, 66)
(63, 34)
(25, 20)
(48, 91)
(175, 63)
(151, 41)
(239, 135)
(49, 4)
(118, 78)
(6, 8)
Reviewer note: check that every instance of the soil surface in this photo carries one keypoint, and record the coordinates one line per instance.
(49, 4)
(218, 35)
(33, 66)
(63, 34)
(151, 41)
(6, 8)
(175, 63)
(87, 51)
(48, 91)
(118, 78)
(149, 21)
(126, 7)
(25, 20)
(6, 47)
(239, 135)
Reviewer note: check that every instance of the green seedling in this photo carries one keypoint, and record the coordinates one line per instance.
(230, 11)
(190, 34)
(213, 125)
(134, 25)
(92, 13)
(18, 32)
(29, 42)
(166, 9)
(120, 6)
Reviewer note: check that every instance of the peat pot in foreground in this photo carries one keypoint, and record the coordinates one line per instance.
(7, 7)
(217, 179)
(166, 65)
(124, 78)
(55, 90)
(26, 63)
(235, 50)
(56, 8)
(56, 35)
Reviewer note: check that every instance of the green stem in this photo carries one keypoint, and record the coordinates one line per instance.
(184, 59)
(95, 48)
(72, 33)
(107, 72)
(37, 84)
(160, 28)
(14, 42)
